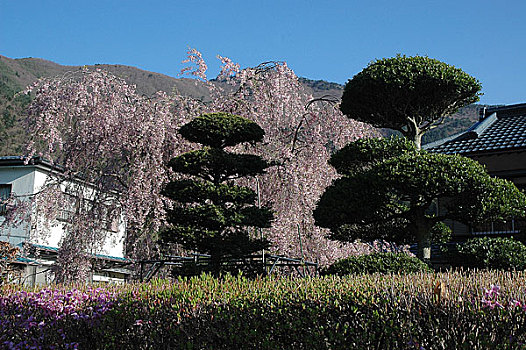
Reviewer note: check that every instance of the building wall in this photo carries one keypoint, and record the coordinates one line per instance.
(510, 165)
(21, 179)
(37, 275)
(44, 233)
(29, 179)
(112, 246)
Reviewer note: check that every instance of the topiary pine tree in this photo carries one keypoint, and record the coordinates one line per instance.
(408, 94)
(388, 188)
(211, 214)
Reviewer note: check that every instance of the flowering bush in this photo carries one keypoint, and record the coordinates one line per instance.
(31, 319)
(7, 254)
(419, 311)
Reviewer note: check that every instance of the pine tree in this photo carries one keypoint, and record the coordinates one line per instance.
(388, 189)
(212, 214)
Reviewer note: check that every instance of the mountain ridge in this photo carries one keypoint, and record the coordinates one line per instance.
(18, 73)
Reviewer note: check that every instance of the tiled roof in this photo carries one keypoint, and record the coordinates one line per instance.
(503, 130)
(21, 160)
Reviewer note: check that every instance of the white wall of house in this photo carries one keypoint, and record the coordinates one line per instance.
(22, 181)
(29, 179)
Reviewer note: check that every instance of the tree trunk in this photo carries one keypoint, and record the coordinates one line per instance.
(414, 134)
(417, 139)
(215, 264)
(424, 247)
(423, 236)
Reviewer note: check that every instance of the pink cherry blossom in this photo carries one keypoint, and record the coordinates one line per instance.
(100, 130)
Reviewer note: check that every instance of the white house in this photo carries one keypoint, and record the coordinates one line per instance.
(40, 238)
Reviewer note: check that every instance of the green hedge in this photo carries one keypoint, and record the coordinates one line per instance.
(383, 322)
(376, 263)
(354, 312)
(493, 253)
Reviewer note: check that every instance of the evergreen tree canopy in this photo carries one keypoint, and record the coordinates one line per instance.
(217, 165)
(408, 94)
(220, 130)
(392, 197)
(212, 214)
(363, 153)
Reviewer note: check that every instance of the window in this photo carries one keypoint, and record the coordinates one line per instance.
(496, 228)
(511, 226)
(67, 211)
(5, 193)
(109, 220)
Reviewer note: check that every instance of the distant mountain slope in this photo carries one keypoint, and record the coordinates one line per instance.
(16, 74)
(460, 121)
(320, 88)
(25, 71)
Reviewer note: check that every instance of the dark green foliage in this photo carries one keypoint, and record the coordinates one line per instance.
(493, 253)
(216, 217)
(363, 153)
(376, 263)
(211, 214)
(441, 233)
(217, 165)
(358, 207)
(189, 191)
(220, 130)
(391, 198)
(383, 322)
(408, 94)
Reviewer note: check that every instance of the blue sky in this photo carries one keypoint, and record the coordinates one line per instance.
(329, 40)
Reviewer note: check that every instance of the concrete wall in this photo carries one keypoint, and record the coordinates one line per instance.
(37, 275)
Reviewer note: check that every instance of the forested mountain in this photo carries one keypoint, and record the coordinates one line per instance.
(16, 74)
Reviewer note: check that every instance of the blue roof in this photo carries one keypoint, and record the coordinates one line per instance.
(501, 129)
(24, 260)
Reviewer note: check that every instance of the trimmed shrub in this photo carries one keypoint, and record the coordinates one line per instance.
(377, 263)
(402, 312)
(441, 233)
(494, 253)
